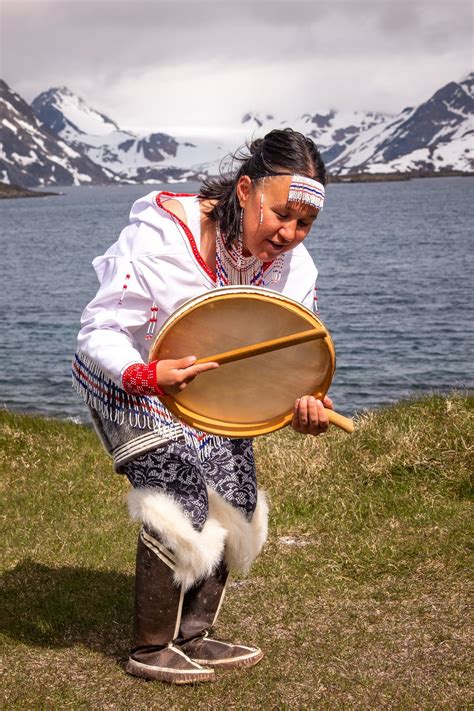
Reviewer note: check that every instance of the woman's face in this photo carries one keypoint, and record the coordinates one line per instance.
(284, 224)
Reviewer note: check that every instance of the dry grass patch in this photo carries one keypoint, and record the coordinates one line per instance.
(360, 599)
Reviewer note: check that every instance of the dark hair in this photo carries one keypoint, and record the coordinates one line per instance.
(280, 151)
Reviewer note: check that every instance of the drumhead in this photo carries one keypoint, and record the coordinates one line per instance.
(255, 395)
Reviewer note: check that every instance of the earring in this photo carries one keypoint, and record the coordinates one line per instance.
(239, 242)
(261, 202)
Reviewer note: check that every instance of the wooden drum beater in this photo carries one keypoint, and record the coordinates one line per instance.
(271, 350)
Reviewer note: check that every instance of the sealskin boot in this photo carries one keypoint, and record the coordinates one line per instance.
(201, 607)
(158, 606)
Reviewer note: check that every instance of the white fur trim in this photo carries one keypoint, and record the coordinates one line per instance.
(196, 553)
(245, 539)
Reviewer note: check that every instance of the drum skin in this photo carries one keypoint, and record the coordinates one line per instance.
(254, 395)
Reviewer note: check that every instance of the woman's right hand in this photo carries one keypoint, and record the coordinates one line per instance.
(173, 376)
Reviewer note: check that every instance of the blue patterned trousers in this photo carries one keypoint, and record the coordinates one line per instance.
(176, 470)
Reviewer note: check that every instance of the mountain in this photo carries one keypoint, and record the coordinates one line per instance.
(333, 131)
(60, 140)
(68, 116)
(31, 155)
(132, 158)
(437, 135)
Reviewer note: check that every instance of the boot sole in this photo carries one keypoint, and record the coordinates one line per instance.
(170, 676)
(236, 663)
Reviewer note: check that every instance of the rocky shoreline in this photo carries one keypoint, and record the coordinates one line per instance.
(389, 177)
(16, 191)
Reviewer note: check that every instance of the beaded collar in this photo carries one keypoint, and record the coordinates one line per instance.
(232, 268)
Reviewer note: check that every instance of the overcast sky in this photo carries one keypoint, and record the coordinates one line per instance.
(186, 67)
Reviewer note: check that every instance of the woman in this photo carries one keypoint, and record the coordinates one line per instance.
(195, 494)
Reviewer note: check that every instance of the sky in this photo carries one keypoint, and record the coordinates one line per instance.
(188, 67)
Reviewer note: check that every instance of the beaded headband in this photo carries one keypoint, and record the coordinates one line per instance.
(307, 191)
(303, 189)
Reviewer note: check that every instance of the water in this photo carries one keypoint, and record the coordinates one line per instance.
(395, 263)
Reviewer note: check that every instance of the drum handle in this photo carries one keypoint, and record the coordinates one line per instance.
(344, 423)
(263, 347)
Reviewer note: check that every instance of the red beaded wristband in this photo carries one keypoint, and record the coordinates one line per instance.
(140, 379)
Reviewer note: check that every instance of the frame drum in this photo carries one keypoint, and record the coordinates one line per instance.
(250, 393)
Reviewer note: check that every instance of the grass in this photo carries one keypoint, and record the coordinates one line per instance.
(360, 599)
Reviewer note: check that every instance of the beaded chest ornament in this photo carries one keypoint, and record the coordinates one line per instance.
(232, 268)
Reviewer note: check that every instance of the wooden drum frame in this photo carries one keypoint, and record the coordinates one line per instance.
(270, 350)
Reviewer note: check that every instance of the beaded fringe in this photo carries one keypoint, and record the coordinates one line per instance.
(142, 411)
(306, 191)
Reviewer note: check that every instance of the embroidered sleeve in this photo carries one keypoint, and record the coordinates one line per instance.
(120, 309)
(140, 379)
(120, 321)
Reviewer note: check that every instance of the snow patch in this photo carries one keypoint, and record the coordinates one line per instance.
(76, 111)
(24, 160)
(68, 150)
(11, 126)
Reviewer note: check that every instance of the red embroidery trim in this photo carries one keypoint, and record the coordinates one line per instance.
(124, 289)
(140, 379)
(190, 235)
(104, 391)
(315, 300)
(152, 321)
(186, 229)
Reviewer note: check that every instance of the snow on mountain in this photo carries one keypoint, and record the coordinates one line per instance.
(30, 155)
(332, 131)
(125, 153)
(61, 140)
(69, 116)
(132, 158)
(141, 159)
(255, 122)
(138, 158)
(437, 135)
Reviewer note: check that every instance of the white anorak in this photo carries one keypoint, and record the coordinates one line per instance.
(149, 272)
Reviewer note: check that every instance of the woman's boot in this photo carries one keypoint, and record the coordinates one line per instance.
(158, 608)
(200, 609)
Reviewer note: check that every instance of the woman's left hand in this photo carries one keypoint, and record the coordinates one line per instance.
(309, 416)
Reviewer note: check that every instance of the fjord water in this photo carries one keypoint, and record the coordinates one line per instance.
(395, 284)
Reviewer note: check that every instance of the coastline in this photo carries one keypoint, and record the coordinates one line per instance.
(17, 191)
(395, 177)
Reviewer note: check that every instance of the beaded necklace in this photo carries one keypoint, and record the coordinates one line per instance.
(232, 268)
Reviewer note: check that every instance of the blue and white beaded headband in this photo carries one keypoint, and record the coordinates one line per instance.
(302, 189)
(307, 191)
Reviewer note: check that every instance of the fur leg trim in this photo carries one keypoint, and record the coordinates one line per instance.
(245, 539)
(197, 553)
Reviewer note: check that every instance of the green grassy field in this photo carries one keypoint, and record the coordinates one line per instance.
(360, 599)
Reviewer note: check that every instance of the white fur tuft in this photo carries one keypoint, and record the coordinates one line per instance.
(197, 553)
(245, 539)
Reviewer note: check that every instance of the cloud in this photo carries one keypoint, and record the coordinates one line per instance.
(156, 63)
